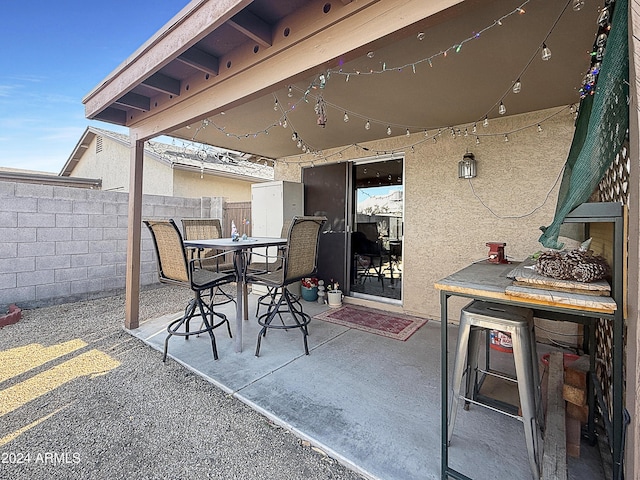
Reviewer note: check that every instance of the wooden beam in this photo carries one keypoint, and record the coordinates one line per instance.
(196, 58)
(132, 282)
(253, 27)
(183, 31)
(163, 83)
(135, 101)
(352, 27)
(113, 115)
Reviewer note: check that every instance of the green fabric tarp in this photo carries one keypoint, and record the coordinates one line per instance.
(601, 127)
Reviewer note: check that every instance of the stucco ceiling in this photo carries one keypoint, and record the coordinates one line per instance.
(414, 85)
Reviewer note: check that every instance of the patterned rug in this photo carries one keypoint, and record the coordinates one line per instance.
(387, 324)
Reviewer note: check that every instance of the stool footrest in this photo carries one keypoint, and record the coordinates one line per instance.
(495, 409)
(497, 374)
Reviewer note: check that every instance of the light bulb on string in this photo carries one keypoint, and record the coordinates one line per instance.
(275, 105)
(474, 129)
(388, 130)
(284, 122)
(346, 117)
(603, 18)
(299, 144)
(546, 53)
(294, 136)
(477, 140)
(517, 86)
(506, 137)
(485, 122)
(539, 128)
(367, 125)
(577, 5)
(290, 92)
(408, 134)
(502, 109)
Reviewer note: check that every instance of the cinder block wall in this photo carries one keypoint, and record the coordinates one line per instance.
(60, 244)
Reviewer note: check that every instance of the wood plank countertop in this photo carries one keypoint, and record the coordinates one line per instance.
(492, 281)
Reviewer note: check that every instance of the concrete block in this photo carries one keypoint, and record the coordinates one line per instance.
(36, 249)
(101, 271)
(80, 234)
(54, 290)
(53, 262)
(148, 267)
(174, 201)
(72, 220)
(22, 295)
(69, 274)
(122, 245)
(114, 233)
(95, 208)
(34, 190)
(164, 211)
(15, 265)
(8, 219)
(87, 286)
(70, 193)
(41, 277)
(18, 234)
(8, 249)
(121, 269)
(95, 234)
(7, 189)
(54, 234)
(15, 204)
(72, 247)
(85, 260)
(123, 221)
(148, 278)
(99, 221)
(50, 205)
(8, 280)
(27, 219)
(101, 246)
(112, 258)
(112, 283)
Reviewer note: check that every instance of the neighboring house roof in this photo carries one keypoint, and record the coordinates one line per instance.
(44, 178)
(388, 204)
(206, 159)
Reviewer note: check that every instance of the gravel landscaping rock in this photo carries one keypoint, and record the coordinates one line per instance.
(108, 408)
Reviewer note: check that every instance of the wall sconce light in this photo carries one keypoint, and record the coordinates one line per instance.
(467, 166)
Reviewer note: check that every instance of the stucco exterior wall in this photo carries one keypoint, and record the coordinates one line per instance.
(189, 184)
(446, 225)
(111, 165)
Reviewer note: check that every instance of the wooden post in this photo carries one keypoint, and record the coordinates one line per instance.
(132, 299)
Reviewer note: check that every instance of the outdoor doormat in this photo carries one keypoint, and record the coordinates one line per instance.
(392, 325)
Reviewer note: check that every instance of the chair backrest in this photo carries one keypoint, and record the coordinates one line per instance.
(301, 257)
(170, 254)
(201, 228)
(370, 230)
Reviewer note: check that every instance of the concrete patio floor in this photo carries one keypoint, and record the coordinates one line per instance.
(371, 402)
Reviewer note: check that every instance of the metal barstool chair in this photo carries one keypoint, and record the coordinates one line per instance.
(479, 316)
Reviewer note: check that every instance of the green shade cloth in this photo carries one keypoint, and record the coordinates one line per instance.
(601, 128)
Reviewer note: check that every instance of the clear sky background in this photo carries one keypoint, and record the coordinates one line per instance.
(52, 54)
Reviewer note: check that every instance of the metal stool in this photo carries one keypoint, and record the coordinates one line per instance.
(475, 318)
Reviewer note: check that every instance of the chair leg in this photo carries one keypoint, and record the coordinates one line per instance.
(208, 326)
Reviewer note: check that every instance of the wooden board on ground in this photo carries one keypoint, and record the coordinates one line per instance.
(524, 276)
(554, 458)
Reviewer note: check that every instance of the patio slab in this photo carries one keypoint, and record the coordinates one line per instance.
(369, 401)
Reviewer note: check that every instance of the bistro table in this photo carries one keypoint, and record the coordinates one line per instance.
(488, 281)
(239, 248)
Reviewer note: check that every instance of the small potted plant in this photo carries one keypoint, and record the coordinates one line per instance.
(334, 294)
(309, 289)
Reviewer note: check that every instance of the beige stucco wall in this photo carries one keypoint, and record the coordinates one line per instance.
(189, 184)
(446, 226)
(111, 165)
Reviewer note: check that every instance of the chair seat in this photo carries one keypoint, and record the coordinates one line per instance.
(270, 278)
(203, 278)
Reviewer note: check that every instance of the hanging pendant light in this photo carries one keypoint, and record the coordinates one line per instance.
(467, 166)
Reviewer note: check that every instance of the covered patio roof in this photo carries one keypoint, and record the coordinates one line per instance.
(229, 73)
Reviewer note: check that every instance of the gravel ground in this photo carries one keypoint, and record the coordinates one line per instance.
(112, 410)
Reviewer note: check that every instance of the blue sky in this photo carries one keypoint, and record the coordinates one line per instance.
(54, 53)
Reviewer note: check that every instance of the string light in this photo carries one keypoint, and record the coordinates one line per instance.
(367, 126)
(485, 122)
(546, 53)
(539, 128)
(389, 130)
(502, 109)
(346, 117)
(577, 5)
(517, 86)
(456, 47)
